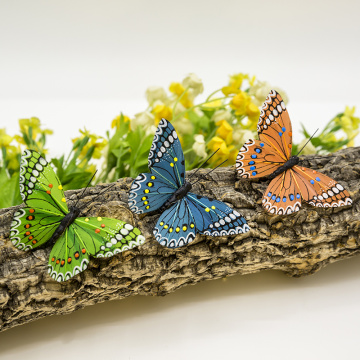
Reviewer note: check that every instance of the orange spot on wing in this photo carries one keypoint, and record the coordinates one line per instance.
(27, 226)
(97, 230)
(57, 261)
(69, 260)
(48, 192)
(62, 262)
(83, 251)
(34, 241)
(31, 211)
(102, 225)
(53, 259)
(77, 255)
(27, 233)
(50, 186)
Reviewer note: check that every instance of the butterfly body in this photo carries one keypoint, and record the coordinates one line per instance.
(180, 193)
(165, 189)
(294, 160)
(67, 220)
(46, 219)
(270, 157)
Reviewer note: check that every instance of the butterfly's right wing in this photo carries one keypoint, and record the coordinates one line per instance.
(98, 237)
(40, 188)
(176, 226)
(283, 195)
(31, 228)
(166, 158)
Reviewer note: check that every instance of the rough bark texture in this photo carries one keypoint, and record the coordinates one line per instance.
(298, 244)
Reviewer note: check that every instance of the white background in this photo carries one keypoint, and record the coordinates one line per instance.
(79, 63)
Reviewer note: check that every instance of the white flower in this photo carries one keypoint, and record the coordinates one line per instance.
(199, 145)
(222, 115)
(195, 85)
(184, 126)
(240, 136)
(144, 119)
(260, 91)
(308, 149)
(154, 93)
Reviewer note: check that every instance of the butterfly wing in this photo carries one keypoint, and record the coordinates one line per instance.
(282, 196)
(149, 193)
(176, 226)
(319, 190)
(40, 188)
(31, 228)
(215, 218)
(257, 159)
(274, 126)
(166, 158)
(98, 237)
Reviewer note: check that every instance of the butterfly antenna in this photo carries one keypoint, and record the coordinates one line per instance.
(100, 193)
(210, 172)
(203, 163)
(307, 142)
(82, 193)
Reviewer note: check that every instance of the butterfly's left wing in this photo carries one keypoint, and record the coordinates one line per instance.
(31, 228)
(97, 237)
(274, 126)
(149, 192)
(257, 159)
(40, 188)
(319, 190)
(166, 158)
(215, 218)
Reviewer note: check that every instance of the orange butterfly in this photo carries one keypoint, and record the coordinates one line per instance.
(270, 156)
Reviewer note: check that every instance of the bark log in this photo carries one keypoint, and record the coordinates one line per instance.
(298, 244)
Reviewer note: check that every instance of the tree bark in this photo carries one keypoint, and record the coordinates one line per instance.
(298, 244)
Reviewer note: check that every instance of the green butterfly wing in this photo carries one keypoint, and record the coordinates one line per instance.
(98, 237)
(40, 188)
(31, 228)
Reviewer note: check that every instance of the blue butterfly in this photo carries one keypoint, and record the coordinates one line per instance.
(165, 189)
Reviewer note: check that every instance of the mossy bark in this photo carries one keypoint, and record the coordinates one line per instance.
(298, 244)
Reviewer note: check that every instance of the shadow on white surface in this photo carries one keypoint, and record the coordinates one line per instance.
(267, 305)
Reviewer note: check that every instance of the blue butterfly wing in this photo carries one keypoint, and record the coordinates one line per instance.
(148, 193)
(215, 218)
(166, 158)
(176, 226)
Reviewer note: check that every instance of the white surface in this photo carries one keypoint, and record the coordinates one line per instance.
(79, 63)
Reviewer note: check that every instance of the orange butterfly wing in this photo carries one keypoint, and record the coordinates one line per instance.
(319, 190)
(255, 159)
(282, 196)
(274, 126)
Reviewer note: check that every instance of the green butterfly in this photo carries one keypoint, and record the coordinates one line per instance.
(46, 218)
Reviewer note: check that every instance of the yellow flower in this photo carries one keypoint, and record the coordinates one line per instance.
(240, 102)
(179, 90)
(5, 139)
(176, 88)
(235, 83)
(117, 121)
(253, 113)
(95, 143)
(162, 111)
(34, 123)
(225, 131)
(213, 104)
(224, 153)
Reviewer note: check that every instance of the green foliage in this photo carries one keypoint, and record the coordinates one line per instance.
(222, 122)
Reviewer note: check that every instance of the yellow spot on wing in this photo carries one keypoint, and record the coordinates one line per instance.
(63, 200)
(60, 187)
(207, 209)
(87, 219)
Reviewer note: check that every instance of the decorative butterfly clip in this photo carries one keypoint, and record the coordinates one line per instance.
(47, 219)
(270, 157)
(165, 189)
